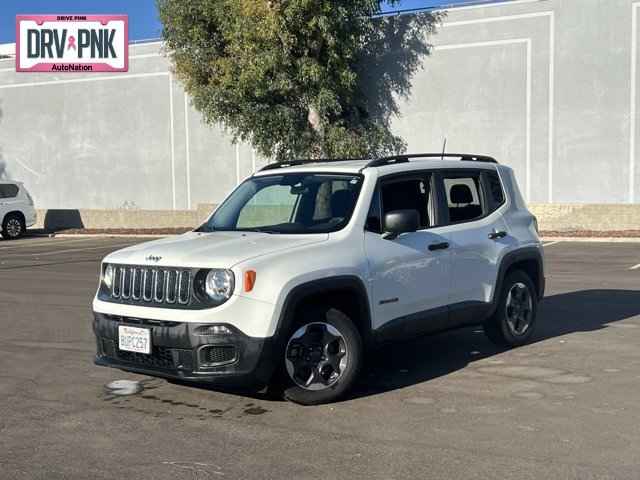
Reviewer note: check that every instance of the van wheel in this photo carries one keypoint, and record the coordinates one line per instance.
(322, 358)
(13, 226)
(514, 320)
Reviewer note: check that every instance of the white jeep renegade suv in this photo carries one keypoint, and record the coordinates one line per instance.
(307, 264)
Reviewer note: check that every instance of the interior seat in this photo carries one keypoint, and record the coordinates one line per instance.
(462, 197)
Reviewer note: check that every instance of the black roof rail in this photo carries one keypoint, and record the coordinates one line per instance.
(378, 162)
(305, 161)
(467, 157)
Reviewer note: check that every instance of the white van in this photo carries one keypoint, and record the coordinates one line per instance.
(16, 209)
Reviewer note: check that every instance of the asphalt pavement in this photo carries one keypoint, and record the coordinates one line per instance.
(445, 406)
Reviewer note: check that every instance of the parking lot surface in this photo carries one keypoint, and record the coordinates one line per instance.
(445, 406)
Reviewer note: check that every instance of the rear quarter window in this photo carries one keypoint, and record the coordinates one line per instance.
(8, 190)
(464, 196)
(494, 190)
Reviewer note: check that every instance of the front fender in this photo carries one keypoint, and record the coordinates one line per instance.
(288, 303)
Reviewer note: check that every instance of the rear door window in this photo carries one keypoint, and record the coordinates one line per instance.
(8, 190)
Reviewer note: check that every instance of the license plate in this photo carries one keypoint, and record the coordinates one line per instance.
(134, 339)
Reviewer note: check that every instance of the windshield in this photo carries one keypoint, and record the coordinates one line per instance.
(288, 203)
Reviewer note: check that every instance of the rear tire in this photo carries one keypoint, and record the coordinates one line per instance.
(13, 226)
(322, 358)
(514, 320)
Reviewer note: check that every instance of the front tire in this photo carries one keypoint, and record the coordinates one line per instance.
(322, 358)
(13, 226)
(514, 320)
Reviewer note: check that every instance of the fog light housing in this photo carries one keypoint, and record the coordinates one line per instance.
(217, 355)
(207, 330)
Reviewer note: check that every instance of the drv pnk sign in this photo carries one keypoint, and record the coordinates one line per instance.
(72, 43)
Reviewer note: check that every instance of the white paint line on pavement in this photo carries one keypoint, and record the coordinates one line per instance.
(551, 243)
(635, 267)
(71, 250)
(23, 244)
(20, 244)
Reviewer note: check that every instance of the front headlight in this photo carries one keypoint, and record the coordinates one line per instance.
(218, 285)
(107, 276)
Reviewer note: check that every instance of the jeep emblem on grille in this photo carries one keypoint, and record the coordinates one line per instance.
(153, 258)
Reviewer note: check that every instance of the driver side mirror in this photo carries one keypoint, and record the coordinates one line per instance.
(400, 221)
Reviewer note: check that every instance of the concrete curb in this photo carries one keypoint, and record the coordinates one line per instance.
(593, 239)
(556, 217)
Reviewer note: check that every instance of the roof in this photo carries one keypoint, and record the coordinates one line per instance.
(400, 163)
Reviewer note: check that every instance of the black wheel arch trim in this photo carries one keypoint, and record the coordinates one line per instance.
(14, 213)
(512, 258)
(324, 285)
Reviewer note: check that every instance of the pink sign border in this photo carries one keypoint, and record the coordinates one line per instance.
(97, 67)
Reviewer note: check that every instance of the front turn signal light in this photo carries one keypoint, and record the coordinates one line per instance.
(249, 280)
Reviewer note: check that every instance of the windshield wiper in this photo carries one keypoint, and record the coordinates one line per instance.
(261, 230)
(207, 229)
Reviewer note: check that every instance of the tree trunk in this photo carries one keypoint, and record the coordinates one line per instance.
(314, 120)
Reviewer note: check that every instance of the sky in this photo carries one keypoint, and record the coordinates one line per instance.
(143, 18)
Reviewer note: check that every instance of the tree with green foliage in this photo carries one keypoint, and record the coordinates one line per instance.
(298, 78)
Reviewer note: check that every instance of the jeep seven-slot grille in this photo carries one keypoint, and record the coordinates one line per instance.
(151, 285)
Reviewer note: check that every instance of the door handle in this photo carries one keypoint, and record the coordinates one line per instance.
(495, 235)
(438, 246)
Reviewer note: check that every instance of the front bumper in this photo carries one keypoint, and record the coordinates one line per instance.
(179, 353)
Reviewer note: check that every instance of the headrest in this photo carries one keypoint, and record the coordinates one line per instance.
(341, 202)
(461, 193)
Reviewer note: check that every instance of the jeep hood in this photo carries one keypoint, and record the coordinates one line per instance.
(210, 250)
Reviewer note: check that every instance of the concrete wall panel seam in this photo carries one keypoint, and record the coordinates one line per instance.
(237, 163)
(84, 80)
(187, 159)
(632, 100)
(527, 43)
(551, 16)
(171, 141)
(495, 4)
